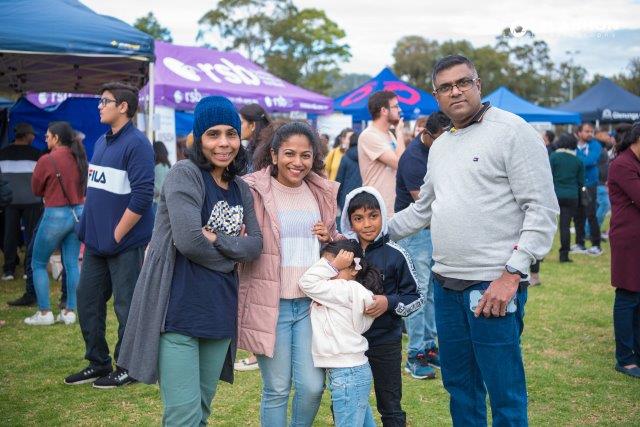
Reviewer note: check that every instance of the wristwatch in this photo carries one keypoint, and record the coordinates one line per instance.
(512, 270)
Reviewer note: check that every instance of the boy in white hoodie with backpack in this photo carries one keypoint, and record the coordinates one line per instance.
(342, 285)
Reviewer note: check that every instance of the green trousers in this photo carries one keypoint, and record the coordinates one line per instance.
(189, 369)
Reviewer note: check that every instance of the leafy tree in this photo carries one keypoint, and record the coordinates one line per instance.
(150, 25)
(414, 58)
(300, 46)
(631, 79)
(347, 82)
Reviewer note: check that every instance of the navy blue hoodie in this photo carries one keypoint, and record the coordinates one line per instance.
(120, 177)
(399, 276)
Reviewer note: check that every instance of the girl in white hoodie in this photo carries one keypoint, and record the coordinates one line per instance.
(342, 285)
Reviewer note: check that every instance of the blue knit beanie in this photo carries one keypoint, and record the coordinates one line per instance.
(212, 111)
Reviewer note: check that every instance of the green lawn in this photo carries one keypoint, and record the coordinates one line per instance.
(568, 348)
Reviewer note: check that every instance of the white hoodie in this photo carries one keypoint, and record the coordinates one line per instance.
(338, 320)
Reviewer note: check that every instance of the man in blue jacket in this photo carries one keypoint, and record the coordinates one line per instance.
(589, 153)
(115, 227)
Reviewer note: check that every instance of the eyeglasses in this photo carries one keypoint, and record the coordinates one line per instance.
(105, 101)
(463, 85)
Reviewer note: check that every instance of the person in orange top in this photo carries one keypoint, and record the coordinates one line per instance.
(332, 161)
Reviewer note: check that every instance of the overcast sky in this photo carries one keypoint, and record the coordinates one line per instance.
(606, 32)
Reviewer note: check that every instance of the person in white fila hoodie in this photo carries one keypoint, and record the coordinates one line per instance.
(342, 285)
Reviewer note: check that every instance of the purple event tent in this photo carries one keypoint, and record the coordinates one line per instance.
(183, 75)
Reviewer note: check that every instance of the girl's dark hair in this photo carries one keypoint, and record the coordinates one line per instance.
(237, 167)
(281, 133)
(66, 135)
(567, 141)
(630, 138)
(437, 122)
(353, 141)
(343, 133)
(362, 200)
(369, 276)
(255, 114)
(161, 153)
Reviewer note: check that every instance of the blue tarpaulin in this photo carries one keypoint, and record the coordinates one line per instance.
(414, 102)
(184, 123)
(63, 46)
(505, 99)
(81, 113)
(606, 102)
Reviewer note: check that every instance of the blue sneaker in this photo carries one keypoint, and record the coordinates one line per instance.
(419, 368)
(433, 357)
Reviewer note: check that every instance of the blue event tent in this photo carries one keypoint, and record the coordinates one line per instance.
(63, 46)
(81, 113)
(605, 102)
(414, 102)
(505, 99)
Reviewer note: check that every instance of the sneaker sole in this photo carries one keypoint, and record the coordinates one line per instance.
(106, 387)
(247, 368)
(418, 377)
(87, 381)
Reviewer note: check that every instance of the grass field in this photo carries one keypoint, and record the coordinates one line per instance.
(568, 347)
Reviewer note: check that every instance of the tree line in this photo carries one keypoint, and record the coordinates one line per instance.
(307, 48)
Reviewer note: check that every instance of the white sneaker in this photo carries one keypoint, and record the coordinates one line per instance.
(244, 365)
(594, 251)
(40, 319)
(6, 277)
(67, 319)
(578, 249)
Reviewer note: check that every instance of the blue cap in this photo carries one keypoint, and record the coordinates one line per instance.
(212, 111)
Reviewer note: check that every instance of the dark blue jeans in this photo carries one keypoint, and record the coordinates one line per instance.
(626, 326)
(479, 355)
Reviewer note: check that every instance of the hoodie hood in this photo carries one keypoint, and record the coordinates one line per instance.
(345, 224)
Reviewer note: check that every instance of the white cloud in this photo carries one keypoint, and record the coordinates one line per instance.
(373, 27)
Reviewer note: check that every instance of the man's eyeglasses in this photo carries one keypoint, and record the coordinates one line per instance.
(463, 85)
(105, 101)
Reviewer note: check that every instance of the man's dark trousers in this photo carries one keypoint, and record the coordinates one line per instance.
(30, 214)
(588, 213)
(102, 276)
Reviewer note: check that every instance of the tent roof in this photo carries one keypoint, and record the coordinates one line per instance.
(605, 101)
(184, 74)
(63, 45)
(414, 102)
(505, 99)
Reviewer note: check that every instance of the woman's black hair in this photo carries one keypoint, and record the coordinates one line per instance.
(343, 133)
(255, 114)
(631, 137)
(353, 141)
(66, 136)
(161, 153)
(437, 122)
(283, 132)
(362, 200)
(567, 141)
(369, 276)
(237, 167)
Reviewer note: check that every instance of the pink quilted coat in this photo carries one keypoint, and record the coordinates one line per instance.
(259, 292)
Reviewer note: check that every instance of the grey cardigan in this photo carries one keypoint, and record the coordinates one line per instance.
(178, 225)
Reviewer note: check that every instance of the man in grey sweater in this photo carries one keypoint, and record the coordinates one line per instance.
(489, 200)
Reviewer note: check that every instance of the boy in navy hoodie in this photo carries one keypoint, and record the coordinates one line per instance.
(364, 217)
(115, 227)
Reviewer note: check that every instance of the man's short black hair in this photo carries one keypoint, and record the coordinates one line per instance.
(123, 92)
(583, 124)
(378, 101)
(567, 141)
(448, 62)
(437, 122)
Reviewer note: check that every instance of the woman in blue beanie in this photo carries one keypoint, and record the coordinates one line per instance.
(183, 318)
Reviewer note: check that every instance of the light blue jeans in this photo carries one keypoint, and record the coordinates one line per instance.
(350, 389)
(291, 363)
(603, 206)
(56, 231)
(421, 325)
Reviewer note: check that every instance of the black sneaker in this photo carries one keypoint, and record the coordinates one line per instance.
(118, 378)
(88, 375)
(24, 301)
